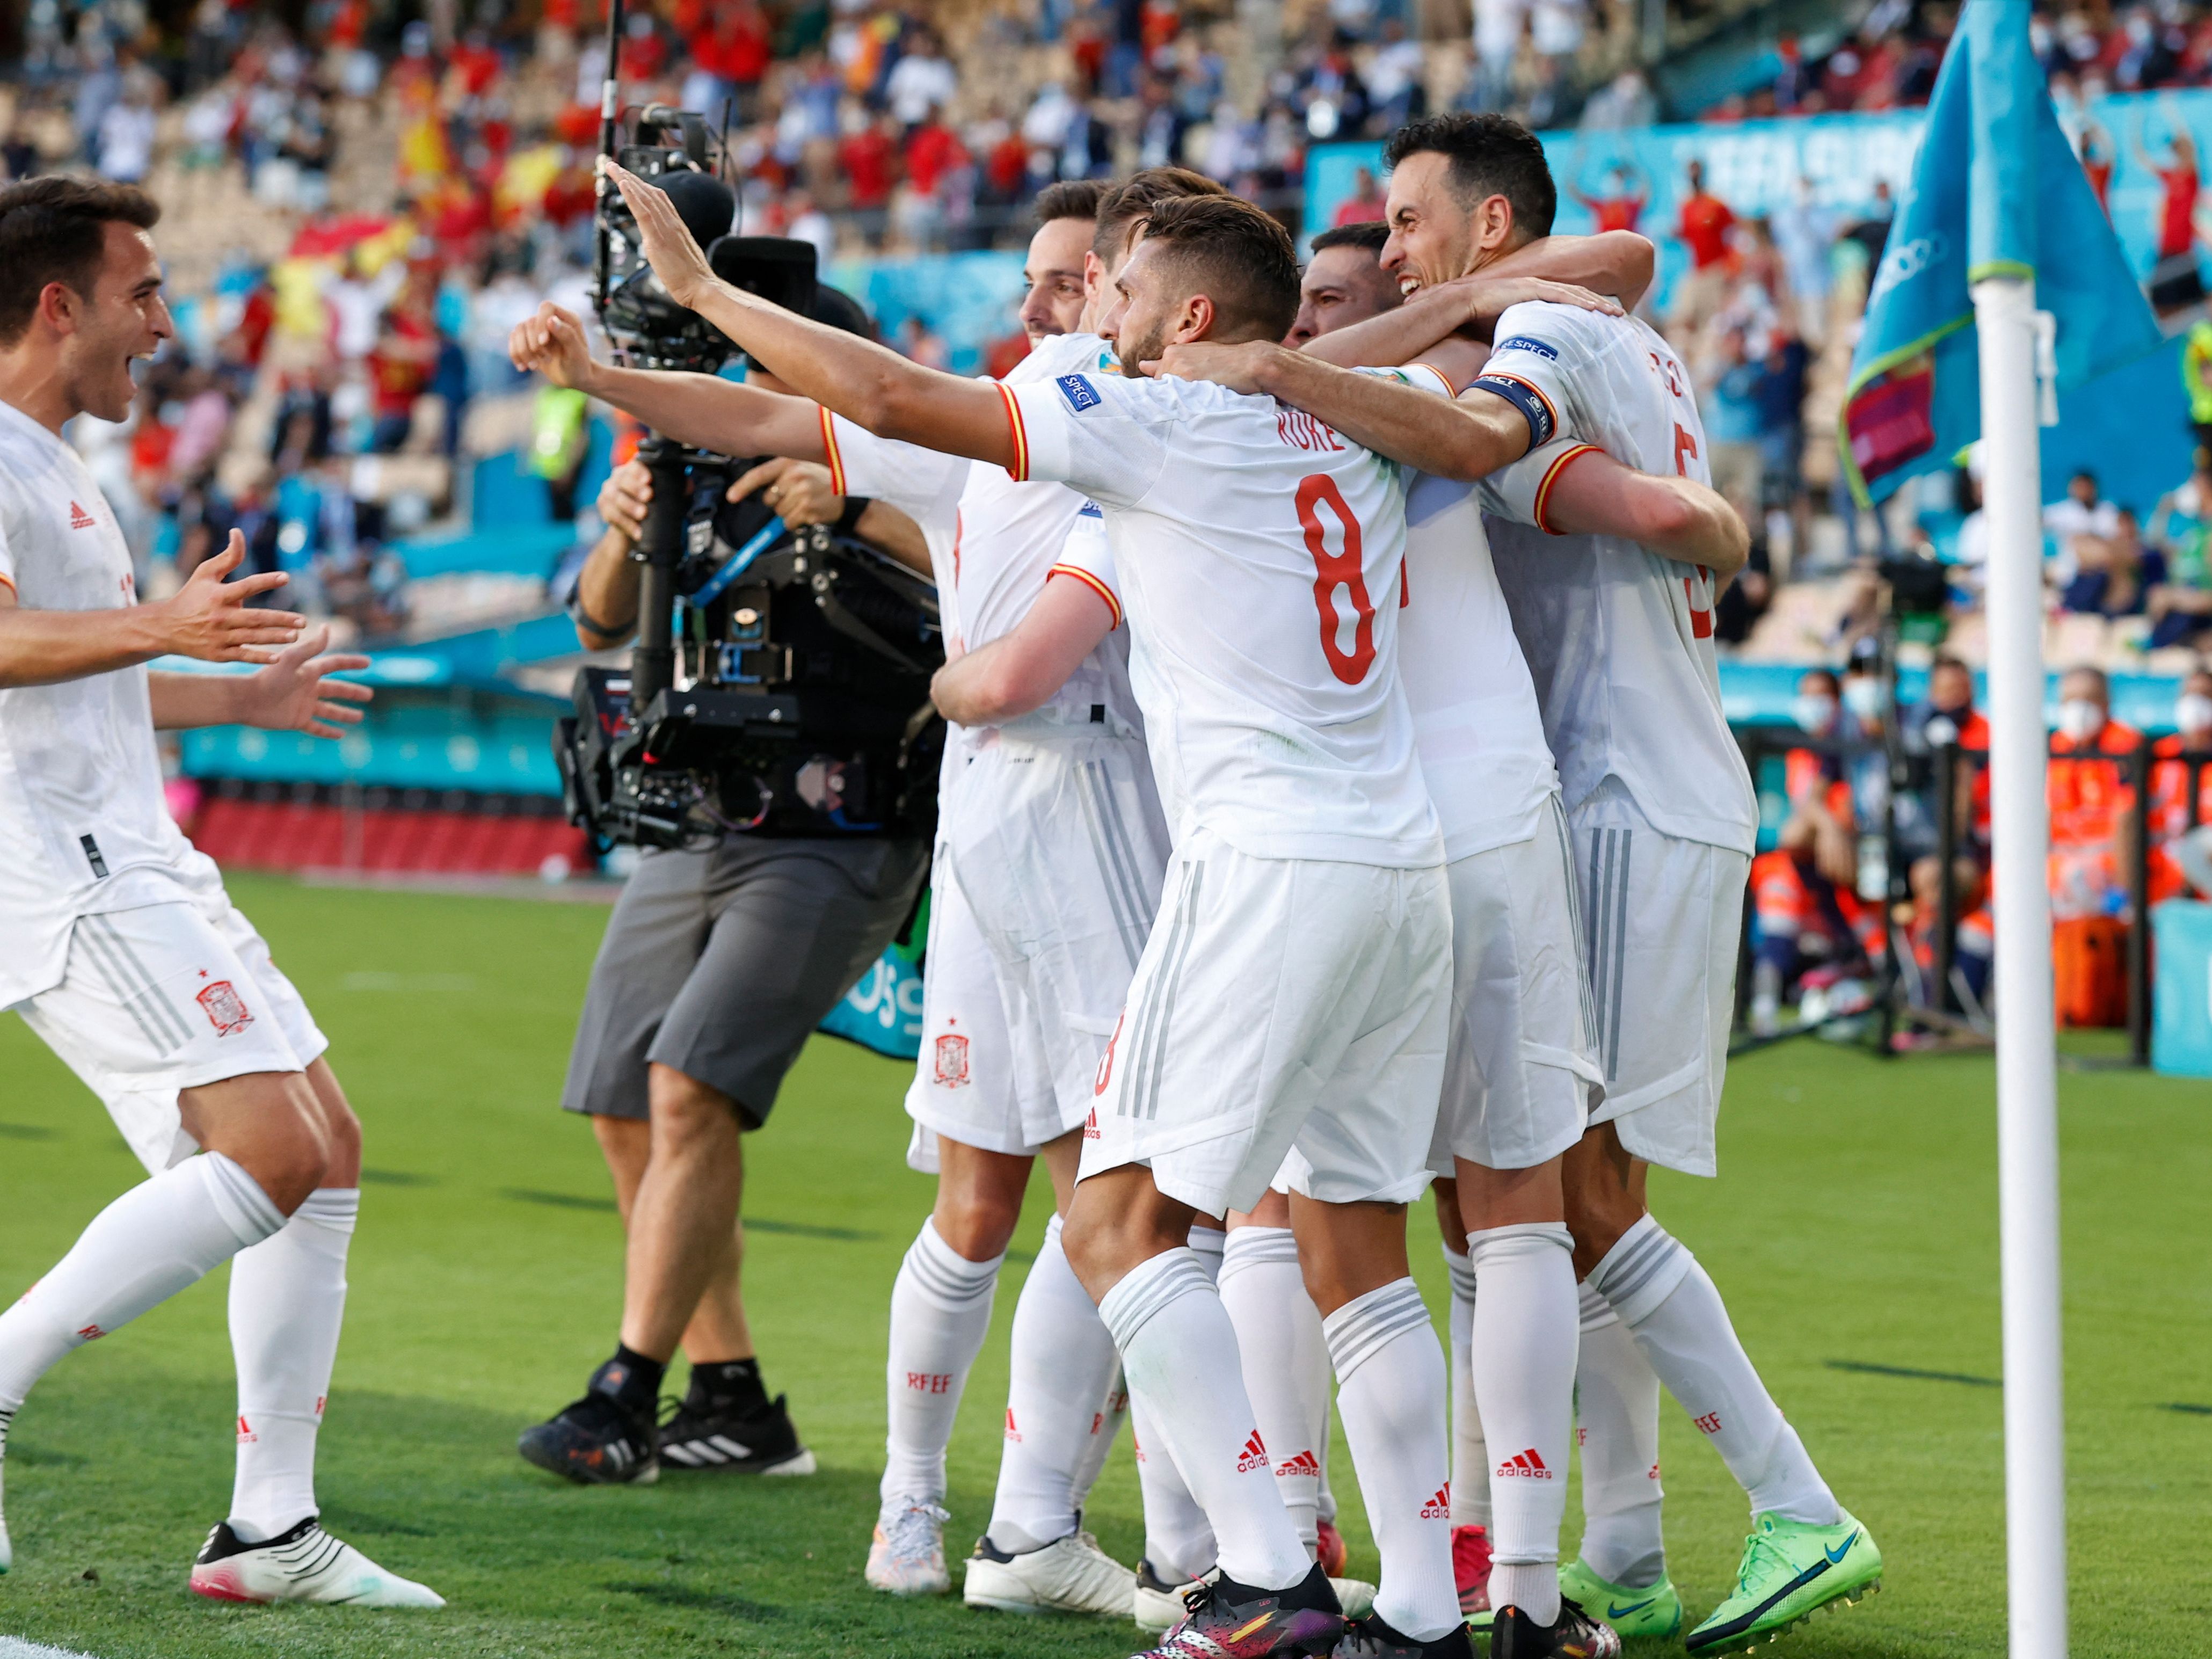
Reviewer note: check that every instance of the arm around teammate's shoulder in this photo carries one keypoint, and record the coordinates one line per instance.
(1675, 518)
(1020, 670)
(207, 618)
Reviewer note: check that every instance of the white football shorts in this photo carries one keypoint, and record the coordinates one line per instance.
(1521, 1072)
(969, 1084)
(1287, 1014)
(1058, 846)
(165, 997)
(1662, 924)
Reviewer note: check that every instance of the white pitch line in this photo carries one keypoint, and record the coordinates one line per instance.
(15, 1648)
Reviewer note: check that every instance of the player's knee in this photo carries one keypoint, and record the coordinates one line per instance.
(978, 1225)
(290, 1152)
(1597, 1216)
(686, 1111)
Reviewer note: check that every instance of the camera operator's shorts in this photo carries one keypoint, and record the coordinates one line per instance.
(1288, 1014)
(1047, 874)
(721, 964)
(1522, 1067)
(165, 997)
(1663, 920)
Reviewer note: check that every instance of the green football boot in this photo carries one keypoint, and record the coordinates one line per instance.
(1654, 1610)
(1789, 1571)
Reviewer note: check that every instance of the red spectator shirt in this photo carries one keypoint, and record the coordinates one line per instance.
(931, 152)
(1621, 213)
(2177, 215)
(1706, 222)
(865, 158)
(1360, 211)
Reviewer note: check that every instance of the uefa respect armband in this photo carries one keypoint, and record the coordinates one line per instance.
(1536, 408)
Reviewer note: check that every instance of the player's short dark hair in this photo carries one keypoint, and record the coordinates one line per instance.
(1490, 155)
(1124, 204)
(1369, 233)
(1242, 257)
(55, 230)
(1070, 198)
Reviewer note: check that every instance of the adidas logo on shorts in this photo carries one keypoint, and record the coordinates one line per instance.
(1254, 1456)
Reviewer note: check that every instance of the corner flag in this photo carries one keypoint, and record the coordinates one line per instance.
(1995, 191)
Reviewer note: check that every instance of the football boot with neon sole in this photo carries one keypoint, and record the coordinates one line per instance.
(1471, 1574)
(1224, 1619)
(1790, 1571)
(1573, 1635)
(906, 1556)
(1069, 1575)
(1652, 1610)
(303, 1565)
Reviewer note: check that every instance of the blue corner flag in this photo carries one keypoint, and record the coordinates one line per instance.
(1995, 192)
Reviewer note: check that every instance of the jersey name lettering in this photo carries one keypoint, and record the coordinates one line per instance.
(1301, 431)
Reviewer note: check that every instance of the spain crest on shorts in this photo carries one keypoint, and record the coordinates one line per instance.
(951, 1060)
(225, 1009)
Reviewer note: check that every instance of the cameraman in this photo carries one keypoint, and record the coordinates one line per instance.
(715, 968)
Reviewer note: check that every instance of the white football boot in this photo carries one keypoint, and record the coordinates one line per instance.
(908, 1555)
(304, 1564)
(1070, 1574)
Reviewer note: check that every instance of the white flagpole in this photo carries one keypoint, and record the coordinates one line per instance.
(2027, 1100)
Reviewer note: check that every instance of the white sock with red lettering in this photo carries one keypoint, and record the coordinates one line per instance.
(1671, 1308)
(1391, 1391)
(1617, 1432)
(1470, 1456)
(161, 1236)
(1063, 1362)
(1179, 1354)
(287, 1304)
(1286, 1364)
(940, 1314)
(1524, 1341)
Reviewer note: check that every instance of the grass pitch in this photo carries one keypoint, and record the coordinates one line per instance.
(1854, 1235)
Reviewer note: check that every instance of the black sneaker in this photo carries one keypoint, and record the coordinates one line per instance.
(600, 1440)
(1371, 1639)
(703, 1433)
(1573, 1635)
(1225, 1620)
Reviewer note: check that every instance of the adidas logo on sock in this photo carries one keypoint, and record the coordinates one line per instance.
(1013, 1434)
(1254, 1456)
(1439, 1507)
(1526, 1464)
(246, 1434)
(79, 518)
(1305, 1463)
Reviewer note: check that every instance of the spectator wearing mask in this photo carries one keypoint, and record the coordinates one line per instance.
(1947, 717)
(2181, 765)
(2091, 802)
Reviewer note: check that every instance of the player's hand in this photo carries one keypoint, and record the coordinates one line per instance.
(552, 344)
(1239, 368)
(296, 692)
(624, 497)
(798, 491)
(1488, 298)
(208, 617)
(675, 258)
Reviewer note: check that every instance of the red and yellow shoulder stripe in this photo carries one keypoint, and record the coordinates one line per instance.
(1019, 471)
(1113, 601)
(831, 454)
(1560, 463)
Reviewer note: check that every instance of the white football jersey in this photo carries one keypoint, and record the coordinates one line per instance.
(1259, 555)
(1619, 640)
(82, 810)
(993, 544)
(1475, 720)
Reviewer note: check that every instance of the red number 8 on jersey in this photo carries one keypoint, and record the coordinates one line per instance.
(1335, 570)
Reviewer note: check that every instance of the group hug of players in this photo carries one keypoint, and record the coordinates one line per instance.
(1338, 804)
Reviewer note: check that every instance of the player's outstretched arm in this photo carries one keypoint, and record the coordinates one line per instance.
(865, 383)
(701, 409)
(1019, 670)
(298, 691)
(207, 618)
(1467, 438)
(1675, 518)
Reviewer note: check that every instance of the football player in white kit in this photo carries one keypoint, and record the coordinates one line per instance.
(1292, 995)
(1047, 873)
(124, 954)
(1619, 640)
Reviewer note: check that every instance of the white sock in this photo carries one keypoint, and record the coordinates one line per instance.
(287, 1303)
(1286, 1354)
(1391, 1391)
(1179, 1354)
(1523, 1342)
(1178, 1539)
(1470, 1456)
(159, 1237)
(1617, 1430)
(940, 1314)
(1105, 1426)
(1666, 1300)
(1063, 1363)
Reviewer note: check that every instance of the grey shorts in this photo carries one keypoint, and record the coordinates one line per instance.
(721, 963)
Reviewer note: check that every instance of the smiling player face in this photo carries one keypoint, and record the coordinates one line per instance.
(124, 318)
(1434, 237)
